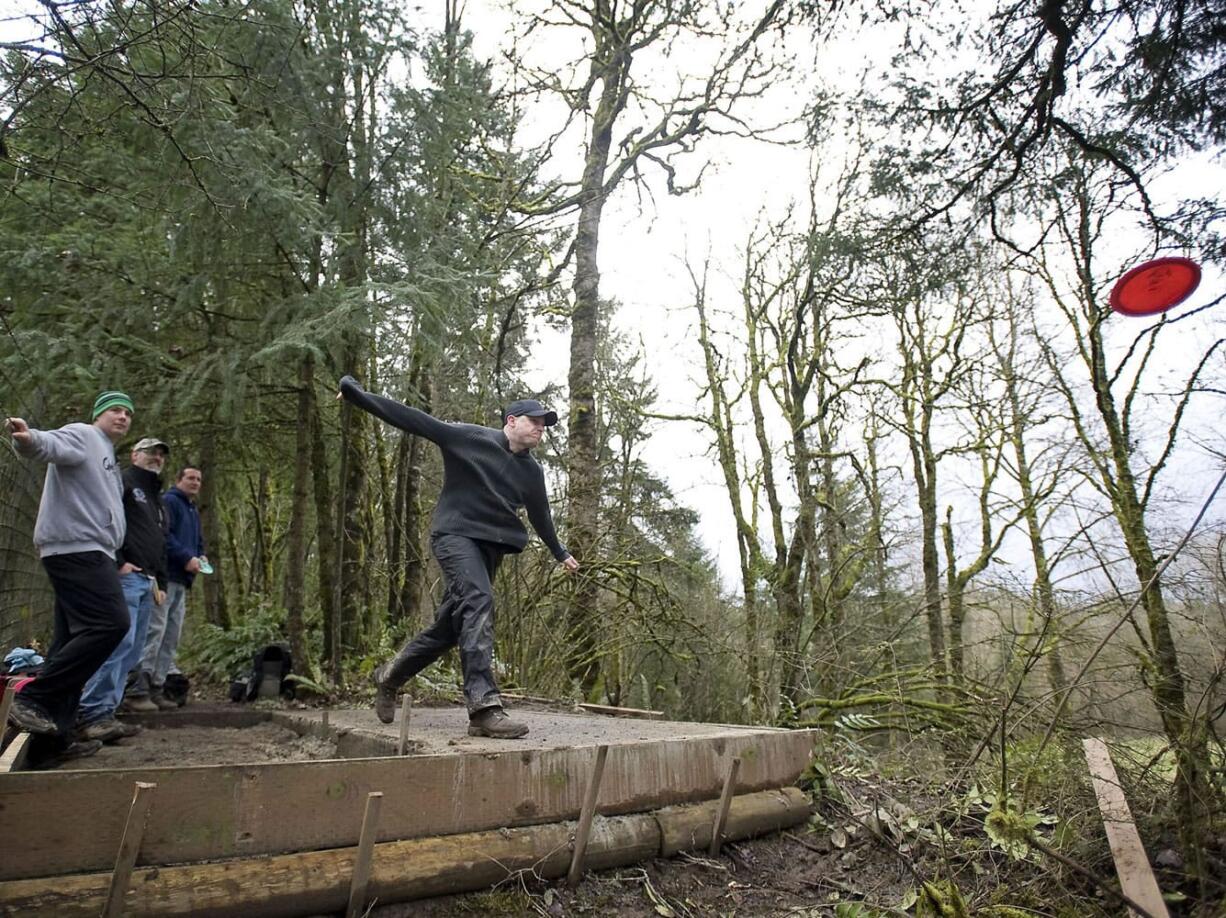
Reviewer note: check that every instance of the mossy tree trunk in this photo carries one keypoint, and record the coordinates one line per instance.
(1078, 218)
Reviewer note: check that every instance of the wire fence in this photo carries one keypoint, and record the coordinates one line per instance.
(26, 601)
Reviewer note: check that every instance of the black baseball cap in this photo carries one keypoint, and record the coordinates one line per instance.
(530, 407)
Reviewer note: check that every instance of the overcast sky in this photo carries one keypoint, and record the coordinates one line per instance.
(644, 243)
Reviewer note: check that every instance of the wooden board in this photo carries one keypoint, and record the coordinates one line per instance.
(214, 812)
(237, 715)
(1136, 876)
(688, 828)
(318, 882)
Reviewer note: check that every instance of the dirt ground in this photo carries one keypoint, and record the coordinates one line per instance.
(177, 746)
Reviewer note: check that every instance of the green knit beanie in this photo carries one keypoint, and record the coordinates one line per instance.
(111, 399)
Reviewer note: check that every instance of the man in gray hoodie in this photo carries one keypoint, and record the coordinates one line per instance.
(79, 530)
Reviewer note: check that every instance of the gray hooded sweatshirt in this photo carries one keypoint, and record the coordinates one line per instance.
(82, 504)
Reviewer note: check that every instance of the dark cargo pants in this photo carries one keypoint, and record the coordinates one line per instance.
(91, 618)
(465, 619)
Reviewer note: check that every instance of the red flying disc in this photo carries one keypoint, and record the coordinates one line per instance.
(1155, 286)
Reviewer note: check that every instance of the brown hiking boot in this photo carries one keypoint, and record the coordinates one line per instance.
(137, 704)
(494, 722)
(161, 702)
(385, 696)
(106, 730)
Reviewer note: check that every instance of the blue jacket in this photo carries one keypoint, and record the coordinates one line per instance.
(184, 537)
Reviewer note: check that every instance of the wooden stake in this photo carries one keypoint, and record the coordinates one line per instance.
(406, 709)
(324, 718)
(6, 702)
(1136, 877)
(14, 753)
(366, 849)
(621, 712)
(725, 803)
(586, 815)
(129, 848)
(14, 757)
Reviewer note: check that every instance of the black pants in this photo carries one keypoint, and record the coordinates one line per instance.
(91, 618)
(465, 619)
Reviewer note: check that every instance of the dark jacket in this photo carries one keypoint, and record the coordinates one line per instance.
(184, 537)
(144, 544)
(484, 483)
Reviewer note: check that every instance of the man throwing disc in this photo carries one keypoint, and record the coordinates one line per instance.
(488, 475)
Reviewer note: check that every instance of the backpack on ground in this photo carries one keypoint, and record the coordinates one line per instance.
(176, 687)
(270, 667)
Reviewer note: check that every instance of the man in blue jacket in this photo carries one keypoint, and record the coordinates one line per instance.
(78, 533)
(184, 557)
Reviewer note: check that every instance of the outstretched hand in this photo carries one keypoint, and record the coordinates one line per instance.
(570, 564)
(20, 430)
(340, 393)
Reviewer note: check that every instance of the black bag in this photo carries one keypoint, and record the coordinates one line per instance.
(176, 687)
(269, 668)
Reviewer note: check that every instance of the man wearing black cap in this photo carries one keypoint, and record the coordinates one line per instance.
(488, 475)
(79, 530)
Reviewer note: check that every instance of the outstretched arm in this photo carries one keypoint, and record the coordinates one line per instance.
(66, 446)
(396, 413)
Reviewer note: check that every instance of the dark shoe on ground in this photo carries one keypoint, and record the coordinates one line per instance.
(385, 696)
(138, 704)
(495, 723)
(78, 750)
(26, 717)
(105, 730)
(128, 729)
(162, 703)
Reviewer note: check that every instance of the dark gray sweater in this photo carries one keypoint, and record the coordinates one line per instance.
(484, 482)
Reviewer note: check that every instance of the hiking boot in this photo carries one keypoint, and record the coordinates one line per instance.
(78, 750)
(128, 729)
(161, 702)
(105, 730)
(139, 704)
(495, 723)
(385, 696)
(27, 717)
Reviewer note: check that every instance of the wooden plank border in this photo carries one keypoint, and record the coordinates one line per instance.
(215, 812)
(318, 881)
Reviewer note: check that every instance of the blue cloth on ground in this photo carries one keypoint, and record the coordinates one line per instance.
(22, 660)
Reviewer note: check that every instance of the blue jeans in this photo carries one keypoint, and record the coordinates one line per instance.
(165, 626)
(104, 690)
